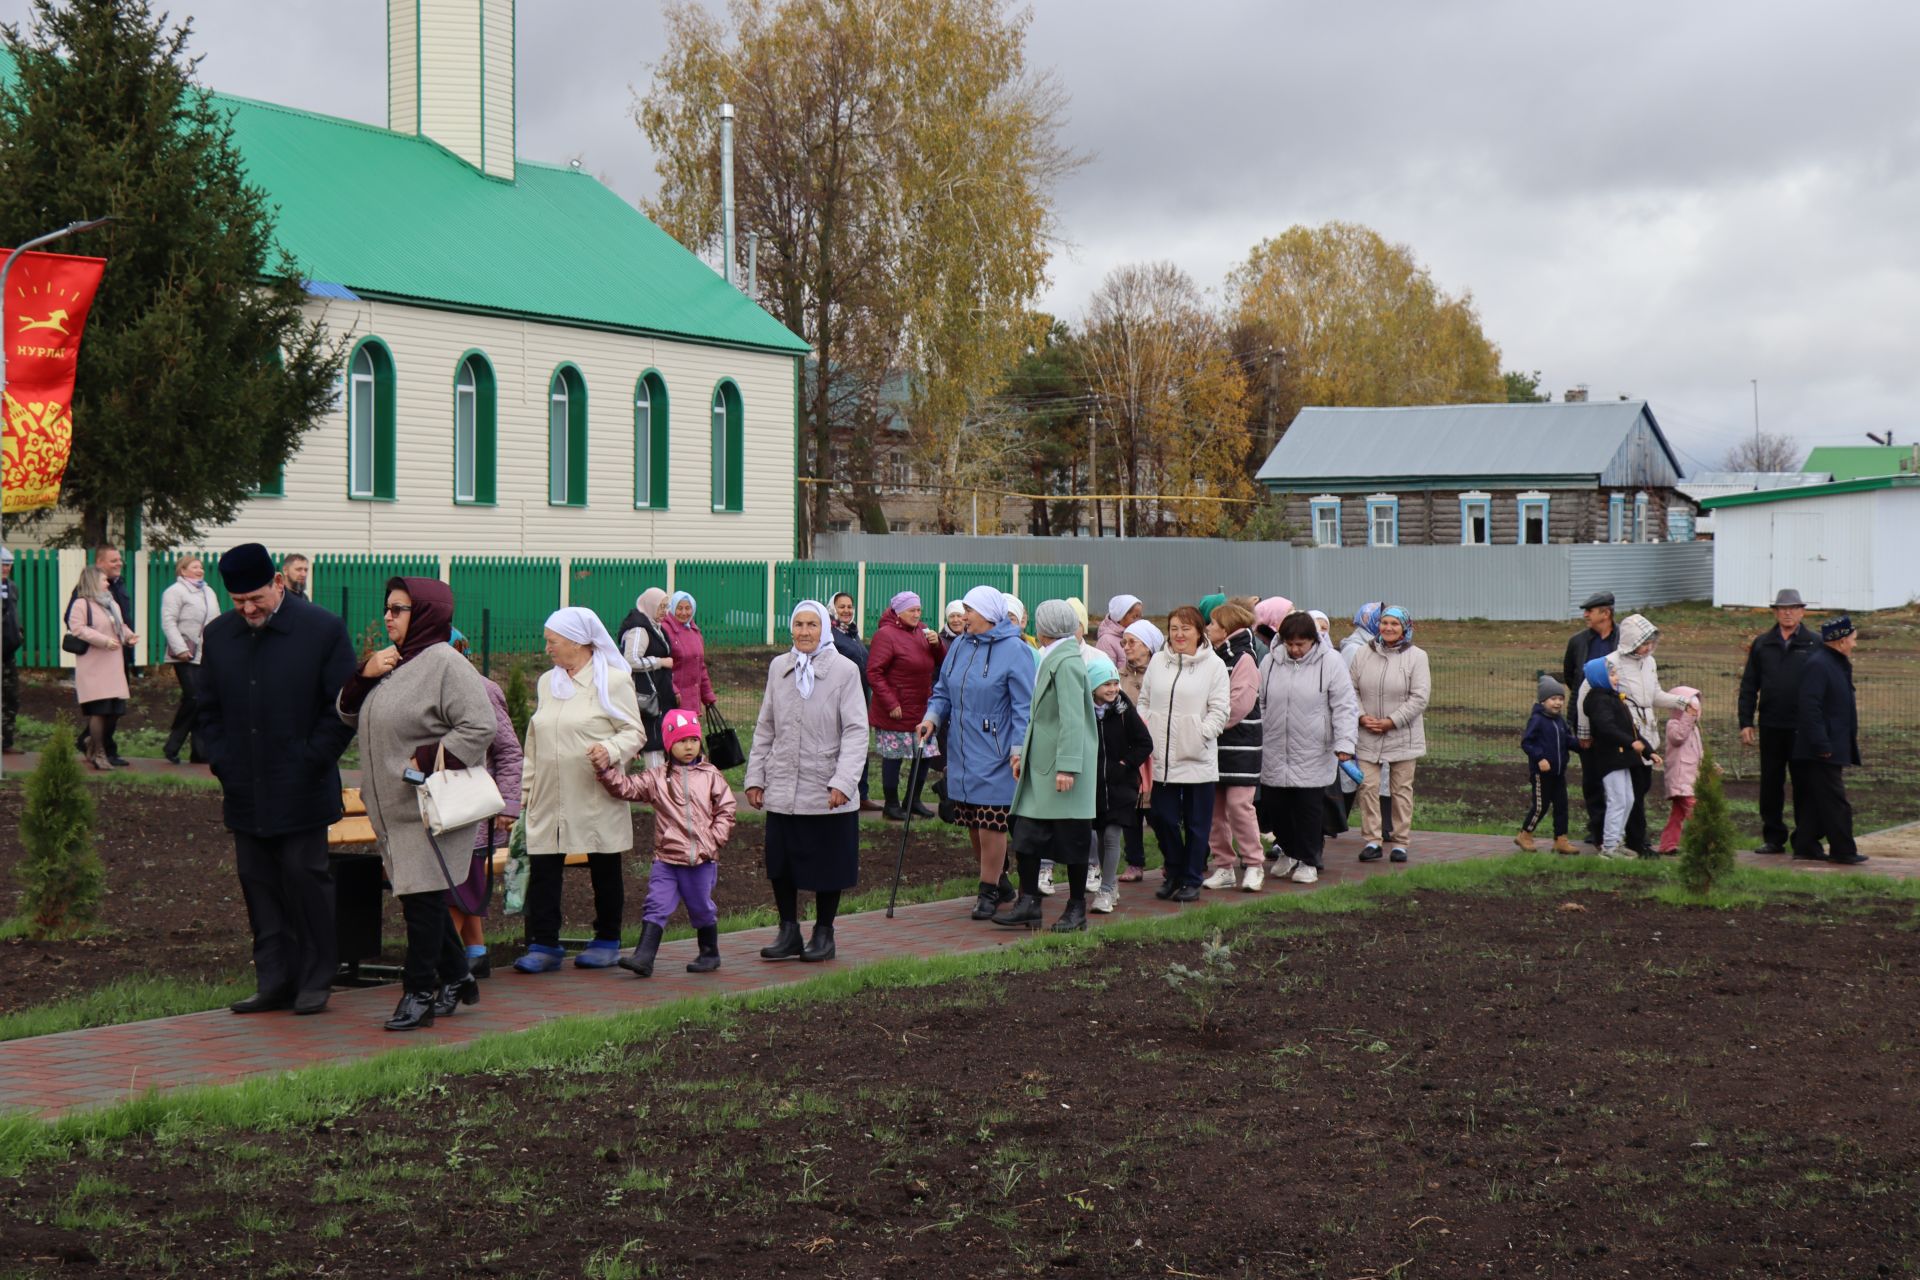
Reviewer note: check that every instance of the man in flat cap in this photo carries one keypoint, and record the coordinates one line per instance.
(1596, 640)
(271, 669)
(1769, 706)
(1826, 741)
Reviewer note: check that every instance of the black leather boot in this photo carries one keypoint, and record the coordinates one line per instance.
(454, 994)
(988, 902)
(1074, 918)
(709, 958)
(820, 945)
(641, 961)
(414, 1012)
(1003, 893)
(786, 943)
(1024, 911)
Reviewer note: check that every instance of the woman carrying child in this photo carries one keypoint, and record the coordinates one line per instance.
(693, 815)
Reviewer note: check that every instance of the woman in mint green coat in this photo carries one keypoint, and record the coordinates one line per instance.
(1056, 768)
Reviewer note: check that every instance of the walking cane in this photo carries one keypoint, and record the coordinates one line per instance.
(913, 798)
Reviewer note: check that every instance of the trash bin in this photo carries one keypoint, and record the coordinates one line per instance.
(359, 880)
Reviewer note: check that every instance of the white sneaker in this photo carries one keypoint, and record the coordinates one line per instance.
(1224, 878)
(1303, 874)
(1103, 902)
(1255, 878)
(1282, 867)
(1093, 880)
(1614, 851)
(1046, 882)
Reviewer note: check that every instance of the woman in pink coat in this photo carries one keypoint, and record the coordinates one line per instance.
(99, 674)
(1684, 750)
(691, 683)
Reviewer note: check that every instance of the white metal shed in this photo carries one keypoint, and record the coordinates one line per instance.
(1854, 544)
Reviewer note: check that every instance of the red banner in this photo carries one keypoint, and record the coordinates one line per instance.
(48, 297)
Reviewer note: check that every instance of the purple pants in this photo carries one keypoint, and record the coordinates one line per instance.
(669, 885)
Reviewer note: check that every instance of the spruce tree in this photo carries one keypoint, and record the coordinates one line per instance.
(198, 373)
(61, 872)
(1707, 842)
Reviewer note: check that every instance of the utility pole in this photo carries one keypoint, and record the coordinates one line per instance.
(1756, 417)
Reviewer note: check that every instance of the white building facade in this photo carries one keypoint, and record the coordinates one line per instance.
(1848, 545)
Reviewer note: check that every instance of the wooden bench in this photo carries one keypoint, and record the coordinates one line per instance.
(355, 827)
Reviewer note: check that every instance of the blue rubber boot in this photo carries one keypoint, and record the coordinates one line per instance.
(600, 954)
(540, 959)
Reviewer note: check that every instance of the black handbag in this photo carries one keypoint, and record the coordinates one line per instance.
(72, 643)
(723, 744)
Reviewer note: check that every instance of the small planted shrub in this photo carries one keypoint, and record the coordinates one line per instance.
(1207, 986)
(1707, 841)
(61, 873)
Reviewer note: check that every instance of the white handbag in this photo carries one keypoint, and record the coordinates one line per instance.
(455, 798)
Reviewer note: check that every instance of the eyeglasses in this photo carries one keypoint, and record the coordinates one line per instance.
(399, 608)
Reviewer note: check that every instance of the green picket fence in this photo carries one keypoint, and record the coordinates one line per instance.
(1050, 582)
(962, 578)
(732, 598)
(355, 586)
(609, 587)
(502, 602)
(884, 581)
(36, 586)
(810, 580)
(162, 569)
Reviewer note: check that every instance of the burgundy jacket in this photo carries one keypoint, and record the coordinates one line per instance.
(901, 667)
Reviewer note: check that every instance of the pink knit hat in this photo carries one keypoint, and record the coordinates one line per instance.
(678, 726)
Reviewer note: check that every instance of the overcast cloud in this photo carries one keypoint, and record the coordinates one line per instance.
(1660, 199)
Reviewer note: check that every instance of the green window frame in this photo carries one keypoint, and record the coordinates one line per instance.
(650, 419)
(567, 438)
(476, 421)
(729, 445)
(274, 488)
(372, 422)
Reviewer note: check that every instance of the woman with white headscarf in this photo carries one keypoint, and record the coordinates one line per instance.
(691, 683)
(585, 700)
(1122, 612)
(809, 746)
(643, 643)
(1138, 643)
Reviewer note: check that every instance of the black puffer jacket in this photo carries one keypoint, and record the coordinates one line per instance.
(1829, 722)
(1241, 743)
(1125, 745)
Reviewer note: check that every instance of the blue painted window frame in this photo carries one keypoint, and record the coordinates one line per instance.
(1393, 505)
(1616, 516)
(1546, 527)
(1315, 507)
(1642, 510)
(1486, 514)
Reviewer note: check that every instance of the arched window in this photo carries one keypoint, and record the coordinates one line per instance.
(475, 419)
(728, 447)
(650, 443)
(370, 422)
(567, 438)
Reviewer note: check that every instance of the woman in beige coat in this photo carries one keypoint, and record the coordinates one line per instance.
(1391, 678)
(585, 701)
(99, 674)
(418, 705)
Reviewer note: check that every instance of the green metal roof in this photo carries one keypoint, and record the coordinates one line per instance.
(1858, 461)
(1864, 485)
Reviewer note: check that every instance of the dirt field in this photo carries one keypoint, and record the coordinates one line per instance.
(1571, 1083)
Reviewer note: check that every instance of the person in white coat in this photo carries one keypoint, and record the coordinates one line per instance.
(1636, 676)
(1186, 699)
(1393, 683)
(186, 607)
(1309, 720)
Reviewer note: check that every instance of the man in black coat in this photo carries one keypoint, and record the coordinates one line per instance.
(1826, 741)
(271, 670)
(1596, 640)
(1771, 683)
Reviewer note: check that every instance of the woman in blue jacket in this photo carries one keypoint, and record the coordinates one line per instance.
(984, 693)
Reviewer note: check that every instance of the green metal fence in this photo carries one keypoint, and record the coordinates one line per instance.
(810, 580)
(962, 578)
(609, 587)
(354, 586)
(1050, 582)
(732, 597)
(884, 581)
(36, 585)
(162, 569)
(509, 597)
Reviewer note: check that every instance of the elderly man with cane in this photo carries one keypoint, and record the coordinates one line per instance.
(271, 669)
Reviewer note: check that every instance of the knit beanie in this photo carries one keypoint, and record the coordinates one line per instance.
(677, 727)
(1100, 669)
(1549, 688)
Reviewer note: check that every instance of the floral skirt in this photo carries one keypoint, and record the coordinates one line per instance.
(897, 744)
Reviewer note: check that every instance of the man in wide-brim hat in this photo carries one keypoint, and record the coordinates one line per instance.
(1769, 705)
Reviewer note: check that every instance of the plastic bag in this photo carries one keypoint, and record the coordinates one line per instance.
(513, 881)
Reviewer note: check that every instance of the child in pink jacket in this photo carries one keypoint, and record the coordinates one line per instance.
(693, 814)
(1684, 749)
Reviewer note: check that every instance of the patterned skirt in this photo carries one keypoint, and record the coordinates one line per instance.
(982, 817)
(897, 744)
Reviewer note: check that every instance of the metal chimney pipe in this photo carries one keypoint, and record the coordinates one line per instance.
(726, 191)
(753, 264)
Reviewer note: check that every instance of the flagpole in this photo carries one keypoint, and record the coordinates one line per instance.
(6, 339)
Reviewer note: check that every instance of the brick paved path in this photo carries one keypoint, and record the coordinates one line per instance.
(52, 1074)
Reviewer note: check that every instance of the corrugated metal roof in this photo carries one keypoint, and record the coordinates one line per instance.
(1464, 442)
(385, 213)
(1858, 461)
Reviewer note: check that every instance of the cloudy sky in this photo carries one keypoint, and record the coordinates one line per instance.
(1667, 200)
